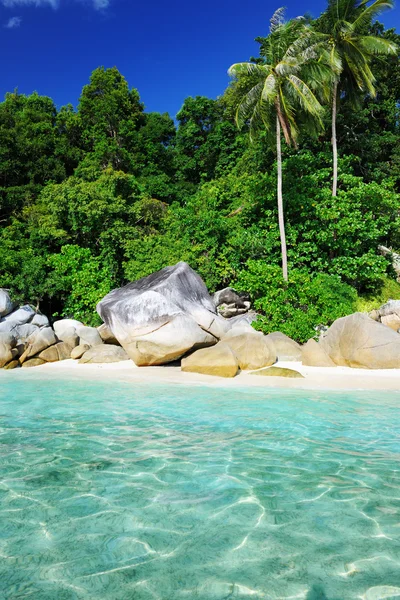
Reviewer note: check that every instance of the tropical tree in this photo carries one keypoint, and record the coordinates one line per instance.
(276, 89)
(345, 29)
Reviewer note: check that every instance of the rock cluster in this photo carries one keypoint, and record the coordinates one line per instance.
(28, 340)
(359, 341)
(388, 314)
(170, 315)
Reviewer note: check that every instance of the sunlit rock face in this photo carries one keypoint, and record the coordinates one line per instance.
(159, 318)
(359, 341)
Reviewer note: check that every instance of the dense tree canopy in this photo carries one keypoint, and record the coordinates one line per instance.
(94, 197)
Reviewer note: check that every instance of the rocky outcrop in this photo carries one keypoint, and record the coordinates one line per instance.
(388, 314)
(359, 341)
(286, 348)
(230, 303)
(278, 372)
(218, 360)
(252, 351)
(24, 332)
(314, 355)
(106, 353)
(159, 318)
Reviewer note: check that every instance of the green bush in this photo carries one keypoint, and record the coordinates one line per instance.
(389, 289)
(82, 279)
(298, 306)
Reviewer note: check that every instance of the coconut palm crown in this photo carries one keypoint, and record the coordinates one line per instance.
(278, 87)
(344, 27)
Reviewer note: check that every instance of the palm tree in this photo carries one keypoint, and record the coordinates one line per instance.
(344, 28)
(276, 90)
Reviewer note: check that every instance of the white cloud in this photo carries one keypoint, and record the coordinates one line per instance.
(97, 4)
(100, 4)
(12, 3)
(13, 23)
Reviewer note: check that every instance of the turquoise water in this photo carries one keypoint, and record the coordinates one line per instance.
(125, 491)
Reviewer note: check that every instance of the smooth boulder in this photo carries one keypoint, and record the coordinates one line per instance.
(6, 304)
(7, 354)
(7, 348)
(89, 335)
(278, 372)
(314, 355)
(105, 353)
(218, 360)
(34, 362)
(18, 317)
(107, 336)
(60, 351)
(38, 341)
(79, 351)
(286, 348)
(64, 324)
(69, 336)
(252, 351)
(159, 318)
(359, 341)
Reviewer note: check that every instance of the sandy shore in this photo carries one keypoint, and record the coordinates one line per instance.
(339, 378)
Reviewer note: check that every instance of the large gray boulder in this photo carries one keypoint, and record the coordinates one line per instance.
(359, 341)
(159, 318)
(6, 305)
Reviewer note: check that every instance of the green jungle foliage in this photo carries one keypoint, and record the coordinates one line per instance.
(98, 196)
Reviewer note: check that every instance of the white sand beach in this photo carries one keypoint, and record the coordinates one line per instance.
(339, 378)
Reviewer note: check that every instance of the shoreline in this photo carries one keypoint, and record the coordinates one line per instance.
(315, 378)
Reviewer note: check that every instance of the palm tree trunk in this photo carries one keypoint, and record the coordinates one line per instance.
(334, 141)
(280, 201)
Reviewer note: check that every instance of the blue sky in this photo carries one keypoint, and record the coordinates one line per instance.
(167, 50)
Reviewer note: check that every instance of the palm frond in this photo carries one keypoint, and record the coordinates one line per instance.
(371, 12)
(277, 19)
(247, 68)
(305, 96)
(269, 89)
(248, 103)
(377, 45)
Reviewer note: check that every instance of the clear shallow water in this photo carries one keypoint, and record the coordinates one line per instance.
(130, 492)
